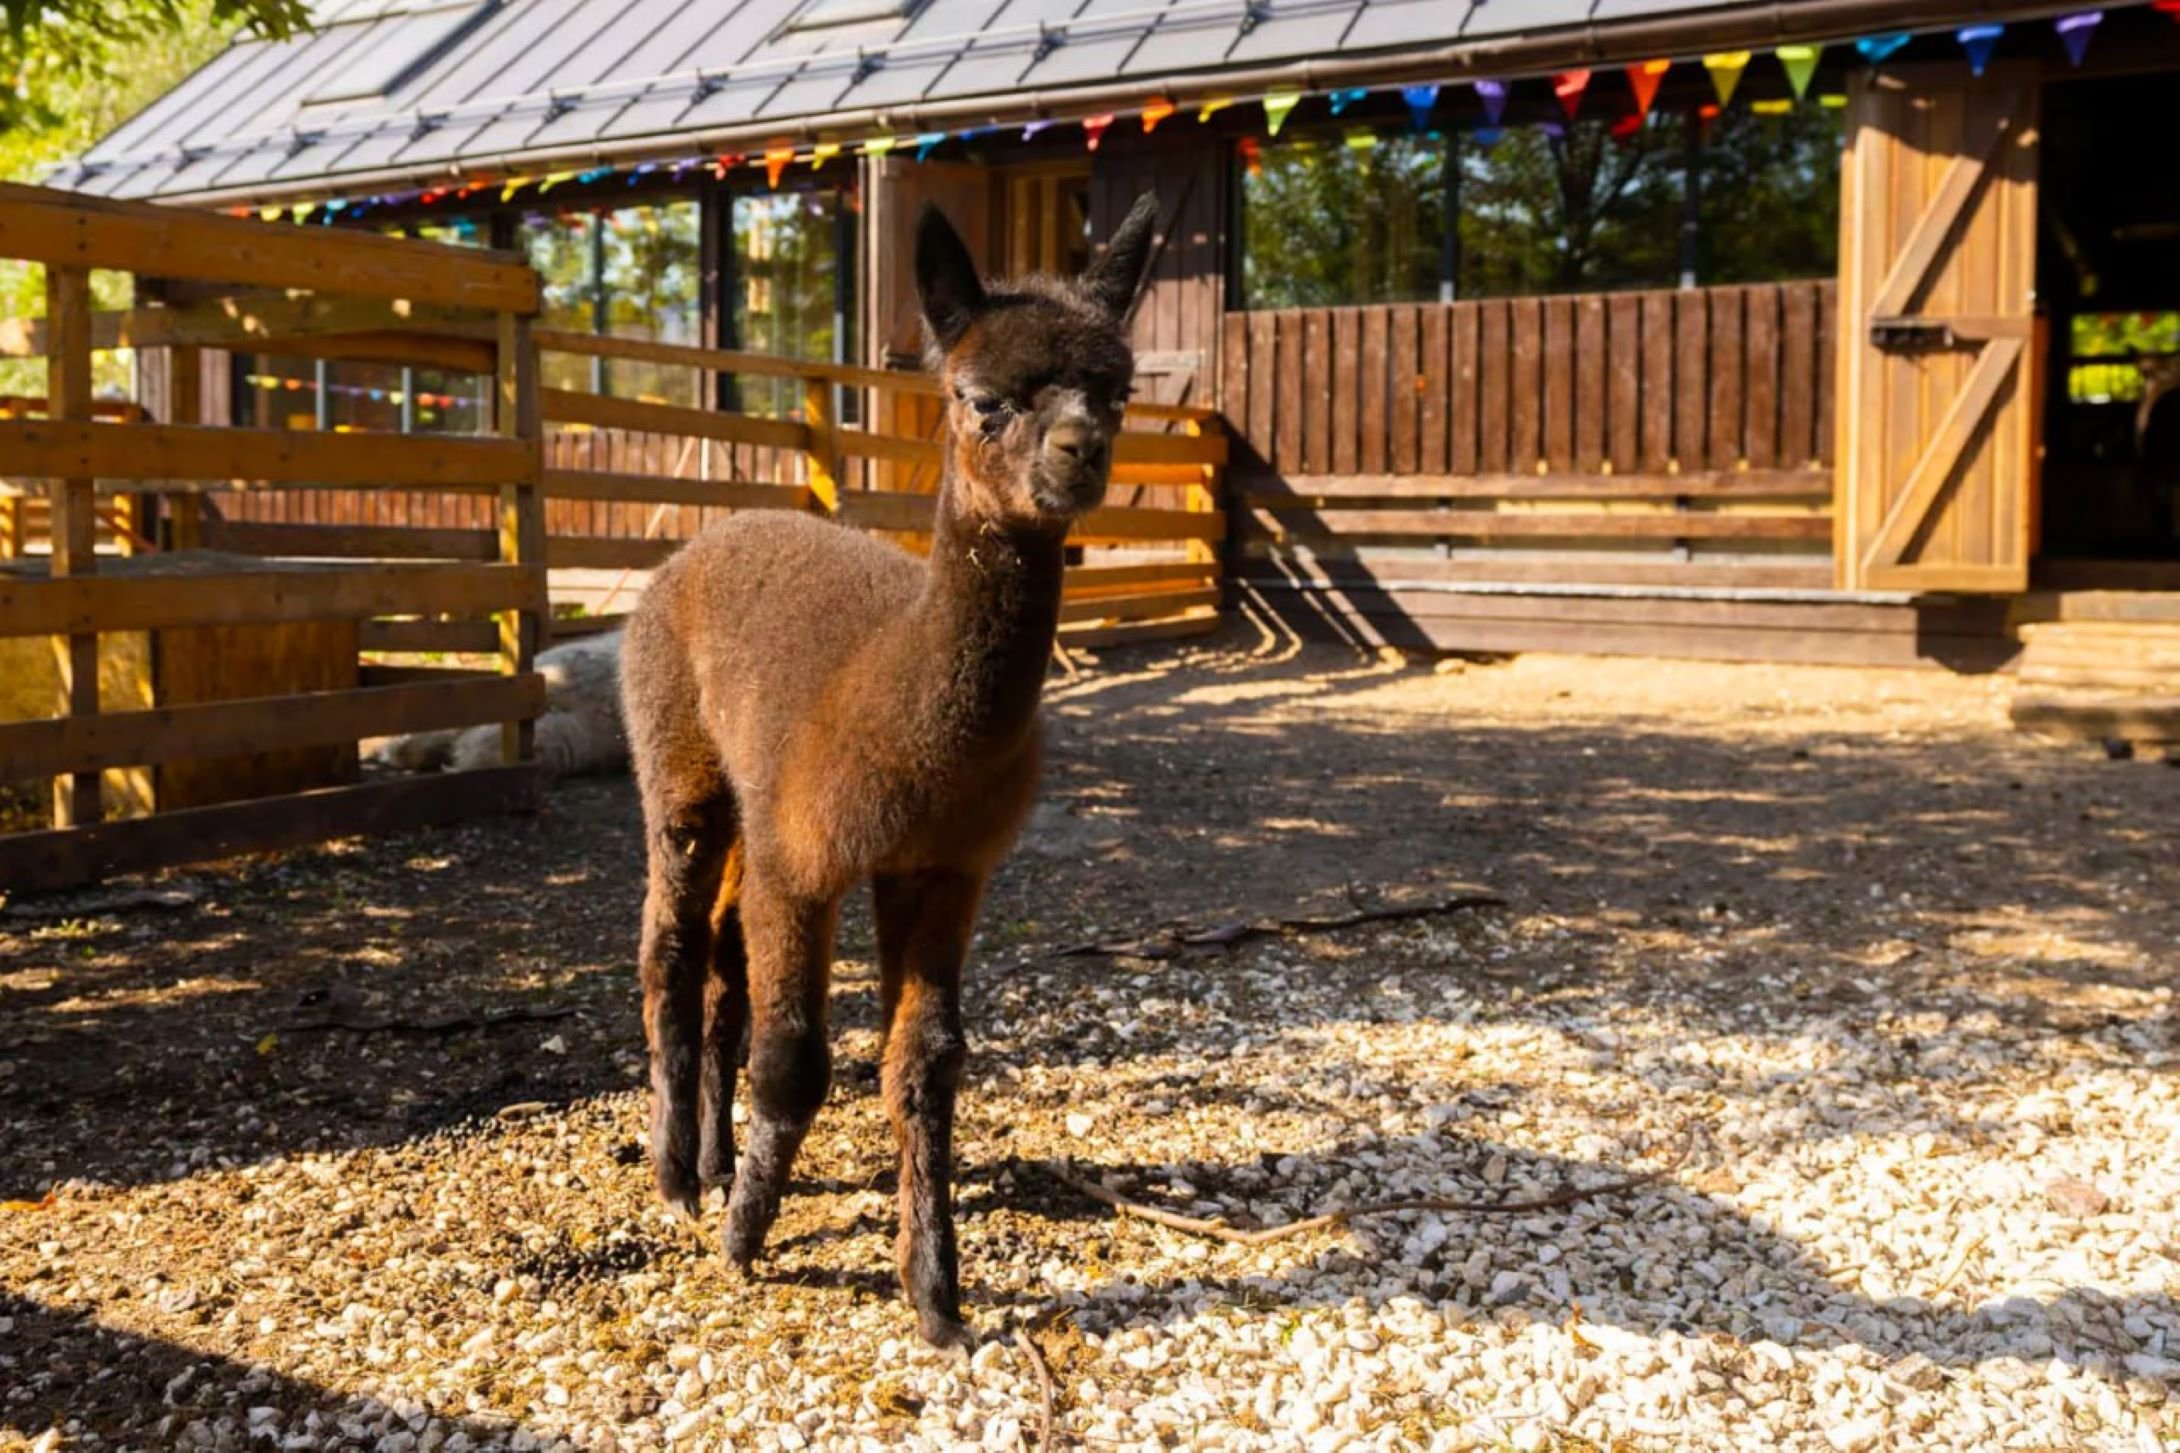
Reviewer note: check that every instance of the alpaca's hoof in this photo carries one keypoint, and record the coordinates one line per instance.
(679, 1189)
(944, 1333)
(742, 1243)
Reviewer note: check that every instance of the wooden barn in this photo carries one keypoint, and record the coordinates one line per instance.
(1819, 330)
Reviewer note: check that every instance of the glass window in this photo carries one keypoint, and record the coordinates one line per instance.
(631, 272)
(1571, 208)
(1324, 222)
(791, 288)
(1769, 206)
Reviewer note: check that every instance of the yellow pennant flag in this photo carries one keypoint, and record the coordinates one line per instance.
(1726, 68)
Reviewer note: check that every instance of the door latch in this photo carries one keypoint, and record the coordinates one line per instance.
(1910, 335)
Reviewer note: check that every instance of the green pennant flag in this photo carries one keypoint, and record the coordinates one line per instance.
(1800, 62)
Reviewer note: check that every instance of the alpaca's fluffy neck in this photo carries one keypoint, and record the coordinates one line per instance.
(987, 619)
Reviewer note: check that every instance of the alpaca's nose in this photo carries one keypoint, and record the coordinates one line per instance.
(1078, 442)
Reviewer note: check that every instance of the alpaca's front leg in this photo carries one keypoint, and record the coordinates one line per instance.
(790, 947)
(924, 924)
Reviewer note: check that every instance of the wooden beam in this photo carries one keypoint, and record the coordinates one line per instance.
(1083, 581)
(70, 857)
(516, 418)
(422, 636)
(260, 322)
(1273, 489)
(74, 523)
(735, 494)
(35, 607)
(567, 406)
(1136, 448)
(68, 229)
(261, 724)
(241, 457)
(1506, 524)
(1138, 607)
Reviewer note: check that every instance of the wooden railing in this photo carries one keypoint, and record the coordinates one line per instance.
(1663, 437)
(231, 685)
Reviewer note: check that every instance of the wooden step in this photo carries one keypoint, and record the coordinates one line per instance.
(2102, 605)
(2151, 720)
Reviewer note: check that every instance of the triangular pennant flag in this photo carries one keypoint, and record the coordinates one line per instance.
(2167, 7)
(1420, 100)
(514, 185)
(1726, 67)
(1877, 49)
(642, 170)
(1156, 112)
(1569, 86)
(1556, 130)
(1252, 154)
(1341, 100)
(1213, 107)
(1643, 80)
(725, 162)
(1625, 129)
(1493, 96)
(2075, 31)
(1488, 136)
(1979, 42)
(879, 145)
(303, 210)
(1779, 106)
(776, 163)
(554, 179)
(822, 153)
(927, 143)
(1361, 138)
(271, 213)
(1093, 129)
(1277, 107)
(1030, 129)
(1800, 63)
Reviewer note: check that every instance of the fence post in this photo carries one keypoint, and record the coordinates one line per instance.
(823, 459)
(185, 405)
(74, 519)
(515, 414)
(1202, 497)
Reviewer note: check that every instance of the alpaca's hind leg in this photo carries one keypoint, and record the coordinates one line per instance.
(726, 1015)
(687, 841)
(924, 924)
(790, 944)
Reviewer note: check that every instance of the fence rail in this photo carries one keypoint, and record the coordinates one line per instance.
(1614, 427)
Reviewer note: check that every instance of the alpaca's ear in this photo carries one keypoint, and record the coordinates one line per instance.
(1114, 278)
(946, 281)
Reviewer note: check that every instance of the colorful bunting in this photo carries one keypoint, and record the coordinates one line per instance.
(1278, 106)
(1778, 106)
(272, 213)
(1800, 63)
(879, 145)
(1252, 154)
(2075, 31)
(1726, 67)
(1361, 138)
(1643, 80)
(514, 185)
(1213, 107)
(553, 179)
(1979, 42)
(1488, 136)
(723, 163)
(927, 143)
(1093, 129)
(646, 168)
(1832, 101)
(1877, 49)
(1569, 86)
(822, 153)
(1030, 129)
(777, 160)
(1155, 112)
(1493, 96)
(1420, 100)
(2167, 7)
(1341, 100)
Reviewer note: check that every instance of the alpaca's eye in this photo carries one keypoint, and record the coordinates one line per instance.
(987, 406)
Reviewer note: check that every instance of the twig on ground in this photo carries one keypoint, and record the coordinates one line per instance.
(440, 1024)
(1169, 939)
(1029, 1349)
(1218, 1229)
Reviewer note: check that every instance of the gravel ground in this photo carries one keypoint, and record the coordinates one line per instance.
(1892, 984)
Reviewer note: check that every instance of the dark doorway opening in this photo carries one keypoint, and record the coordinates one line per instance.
(2108, 281)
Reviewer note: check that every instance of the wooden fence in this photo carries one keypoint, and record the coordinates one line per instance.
(227, 678)
(1629, 438)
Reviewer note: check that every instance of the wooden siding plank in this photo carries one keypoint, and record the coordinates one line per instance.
(1525, 396)
(1436, 383)
(1760, 374)
(1373, 378)
(1295, 395)
(1263, 370)
(1406, 383)
(1799, 365)
(1494, 365)
(1346, 388)
(1464, 406)
(1691, 381)
(1728, 394)
(1317, 368)
(1657, 382)
(1559, 383)
(1593, 360)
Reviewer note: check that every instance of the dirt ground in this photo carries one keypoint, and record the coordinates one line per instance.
(339, 1148)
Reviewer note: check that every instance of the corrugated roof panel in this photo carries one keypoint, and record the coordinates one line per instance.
(1410, 22)
(1187, 42)
(1318, 33)
(162, 115)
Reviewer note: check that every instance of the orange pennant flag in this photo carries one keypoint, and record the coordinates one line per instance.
(1643, 80)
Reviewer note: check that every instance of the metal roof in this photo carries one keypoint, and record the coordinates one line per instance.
(487, 85)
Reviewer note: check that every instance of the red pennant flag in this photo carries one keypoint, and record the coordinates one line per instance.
(1643, 80)
(1569, 86)
(1093, 129)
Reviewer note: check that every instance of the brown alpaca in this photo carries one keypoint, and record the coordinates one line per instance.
(809, 708)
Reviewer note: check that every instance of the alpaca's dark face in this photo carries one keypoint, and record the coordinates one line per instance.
(1036, 374)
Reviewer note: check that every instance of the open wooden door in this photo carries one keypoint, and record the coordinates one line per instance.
(1938, 409)
(895, 190)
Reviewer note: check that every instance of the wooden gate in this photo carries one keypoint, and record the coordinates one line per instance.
(1938, 402)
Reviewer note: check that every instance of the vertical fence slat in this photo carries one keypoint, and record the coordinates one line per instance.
(1234, 369)
(1317, 398)
(1798, 364)
(1691, 382)
(1559, 390)
(1293, 391)
(1525, 393)
(1827, 356)
(1593, 360)
(73, 519)
(1760, 352)
(1346, 387)
(1464, 410)
(1406, 380)
(1623, 429)
(1435, 381)
(1494, 363)
(515, 415)
(1263, 372)
(1727, 369)
(1657, 381)
(1372, 379)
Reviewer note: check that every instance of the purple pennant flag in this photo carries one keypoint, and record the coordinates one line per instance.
(1979, 41)
(1556, 130)
(1420, 100)
(1493, 95)
(2075, 31)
